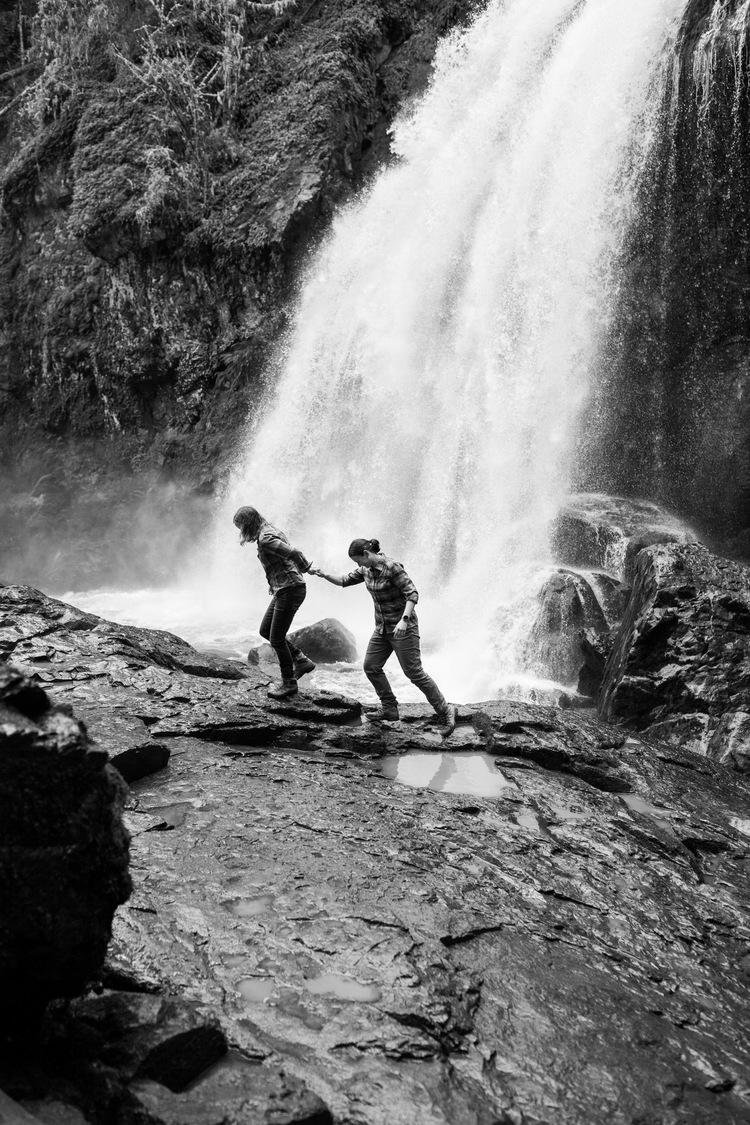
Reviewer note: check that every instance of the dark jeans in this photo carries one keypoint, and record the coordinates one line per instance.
(275, 626)
(409, 657)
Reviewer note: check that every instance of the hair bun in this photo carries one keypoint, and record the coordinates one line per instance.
(375, 545)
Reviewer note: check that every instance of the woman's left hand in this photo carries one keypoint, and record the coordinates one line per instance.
(400, 629)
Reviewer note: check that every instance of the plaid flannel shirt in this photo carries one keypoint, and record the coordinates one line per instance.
(282, 563)
(391, 588)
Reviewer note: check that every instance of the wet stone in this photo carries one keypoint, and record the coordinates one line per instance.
(236, 1091)
(413, 953)
(164, 1039)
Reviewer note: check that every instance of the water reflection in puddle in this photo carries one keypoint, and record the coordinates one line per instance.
(474, 774)
(234, 960)
(342, 987)
(527, 819)
(638, 805)
(256, 989)
(250, 907)
(260, 989)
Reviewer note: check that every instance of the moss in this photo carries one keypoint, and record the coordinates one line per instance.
(55, 145)
(151, 305)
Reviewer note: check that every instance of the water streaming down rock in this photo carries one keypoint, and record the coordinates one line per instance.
(446, 334)
(670, 419)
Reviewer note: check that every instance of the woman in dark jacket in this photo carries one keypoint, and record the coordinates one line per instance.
(284, 566)
(396, 629)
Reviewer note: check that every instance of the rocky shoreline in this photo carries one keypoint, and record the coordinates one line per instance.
(574, 948)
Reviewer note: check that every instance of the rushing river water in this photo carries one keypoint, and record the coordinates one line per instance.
(446, 337)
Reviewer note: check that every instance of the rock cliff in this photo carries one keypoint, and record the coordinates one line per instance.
(146, 261)
(671, 419)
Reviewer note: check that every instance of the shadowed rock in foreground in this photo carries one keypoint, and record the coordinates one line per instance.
(574, 949)
(63, 852)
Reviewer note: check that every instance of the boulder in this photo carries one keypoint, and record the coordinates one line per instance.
(326, 642)
(683, 651)
(569, 603)
(63, 850)
(261, 654)
(596, 530)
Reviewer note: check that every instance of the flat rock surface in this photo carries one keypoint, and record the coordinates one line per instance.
(555, 932)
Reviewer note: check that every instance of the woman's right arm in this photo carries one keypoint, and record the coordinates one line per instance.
(334, 579)
(352, 579)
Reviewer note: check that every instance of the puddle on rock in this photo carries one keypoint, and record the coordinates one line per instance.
(250, 907)
(562, 813)
(234, 960)
(527, 819)
(638, 805)
(474, 774)
(256, 989)
(343, 987)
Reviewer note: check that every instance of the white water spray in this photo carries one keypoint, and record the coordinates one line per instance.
(446, 334)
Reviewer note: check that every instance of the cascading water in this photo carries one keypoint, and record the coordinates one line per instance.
(446, 334)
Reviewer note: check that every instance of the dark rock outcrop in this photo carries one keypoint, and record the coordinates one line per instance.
(327, 641)
(670, 417)
(63, 851)
(569, 603)
(125, 1058)
(239, 1091)
(595, 649)
(680, 665)
(595, 530)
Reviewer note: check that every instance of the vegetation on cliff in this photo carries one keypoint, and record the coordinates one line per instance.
(165, 161)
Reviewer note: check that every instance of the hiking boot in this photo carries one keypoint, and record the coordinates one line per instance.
(303, 666)
(284, 690)
(448, 719)
(383, 715)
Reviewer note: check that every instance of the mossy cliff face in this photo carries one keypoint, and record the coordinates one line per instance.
(144, 270)
(672, 417)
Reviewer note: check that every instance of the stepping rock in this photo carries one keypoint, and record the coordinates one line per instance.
(326, 642)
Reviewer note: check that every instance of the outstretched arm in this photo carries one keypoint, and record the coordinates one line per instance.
(334, 579)
(352, 579)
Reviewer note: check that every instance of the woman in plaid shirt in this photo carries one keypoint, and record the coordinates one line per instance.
(284, 566)
(396, 628)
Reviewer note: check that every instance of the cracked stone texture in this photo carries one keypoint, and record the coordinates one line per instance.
(680, 664)
(572, 951)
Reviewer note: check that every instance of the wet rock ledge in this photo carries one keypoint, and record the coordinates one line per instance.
(573, 949)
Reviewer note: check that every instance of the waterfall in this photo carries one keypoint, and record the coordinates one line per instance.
(447, 333)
